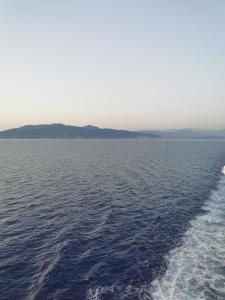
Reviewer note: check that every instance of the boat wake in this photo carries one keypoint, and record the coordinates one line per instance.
(196, 270)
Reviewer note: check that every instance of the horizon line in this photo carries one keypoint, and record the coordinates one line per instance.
(136, 130)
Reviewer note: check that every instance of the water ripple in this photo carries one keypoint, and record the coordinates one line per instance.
(97, 219)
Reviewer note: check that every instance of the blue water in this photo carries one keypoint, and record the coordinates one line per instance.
(97, 219)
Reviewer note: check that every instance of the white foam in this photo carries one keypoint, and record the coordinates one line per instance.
(196, 270)
(95, 294)
(223, 170)
(129, 292)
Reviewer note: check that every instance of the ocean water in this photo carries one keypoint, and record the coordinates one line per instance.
(112, 219)
(196, 270)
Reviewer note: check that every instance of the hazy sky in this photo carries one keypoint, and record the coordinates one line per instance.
(143, 64)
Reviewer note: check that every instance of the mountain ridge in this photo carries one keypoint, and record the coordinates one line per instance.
(187, 133)
(62, 131)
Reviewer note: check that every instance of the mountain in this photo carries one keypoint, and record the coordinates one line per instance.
(61, 131)
(187, 133)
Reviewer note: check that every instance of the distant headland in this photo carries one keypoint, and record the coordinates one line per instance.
(61, 131)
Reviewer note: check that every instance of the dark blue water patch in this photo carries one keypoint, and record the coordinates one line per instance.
(85, 219)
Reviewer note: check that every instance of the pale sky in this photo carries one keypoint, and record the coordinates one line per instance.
(129, 64)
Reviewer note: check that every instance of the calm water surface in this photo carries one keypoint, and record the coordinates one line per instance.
(112, 219)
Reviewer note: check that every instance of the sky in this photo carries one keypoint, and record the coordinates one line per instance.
(138, 65)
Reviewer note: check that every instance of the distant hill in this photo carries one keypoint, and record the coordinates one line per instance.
(187, 133)
(61, 131)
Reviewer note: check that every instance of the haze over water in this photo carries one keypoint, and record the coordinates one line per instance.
(112, 219)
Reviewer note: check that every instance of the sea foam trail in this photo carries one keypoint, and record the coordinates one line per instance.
(196, 270)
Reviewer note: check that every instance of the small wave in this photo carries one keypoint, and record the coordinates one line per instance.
(196, 270)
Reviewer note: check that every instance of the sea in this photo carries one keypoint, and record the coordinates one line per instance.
(112, 219)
